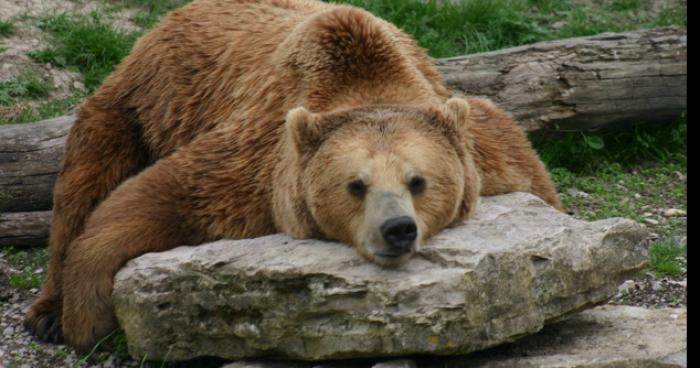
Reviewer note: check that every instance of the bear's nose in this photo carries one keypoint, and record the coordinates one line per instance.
(399, 234)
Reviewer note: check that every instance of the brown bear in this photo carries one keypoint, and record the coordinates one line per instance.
(241, 118)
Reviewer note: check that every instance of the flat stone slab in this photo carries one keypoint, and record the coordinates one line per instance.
(604, 337)
(504, 274)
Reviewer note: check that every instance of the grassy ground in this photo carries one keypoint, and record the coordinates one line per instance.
(463, 27)
(6, 28)
(32, 265)
(28, 85)
(638, 173)
(88, 44)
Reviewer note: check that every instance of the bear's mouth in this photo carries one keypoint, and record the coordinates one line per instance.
(389, 258)
(394, 254)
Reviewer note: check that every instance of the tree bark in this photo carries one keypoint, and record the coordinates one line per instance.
(577, 84)
(581, 84)
(24, 228)
(30, 156)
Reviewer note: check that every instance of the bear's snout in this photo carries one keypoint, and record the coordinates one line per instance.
(389, 233)
(400, 234)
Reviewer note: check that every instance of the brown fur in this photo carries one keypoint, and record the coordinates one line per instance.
(203, 99)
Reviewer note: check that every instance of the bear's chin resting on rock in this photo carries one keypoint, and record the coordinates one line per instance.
(238, 119)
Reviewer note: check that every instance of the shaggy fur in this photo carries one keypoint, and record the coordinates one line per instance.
(186, 142)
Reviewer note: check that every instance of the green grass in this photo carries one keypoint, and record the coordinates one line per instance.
(32, 266)
(91, 45)
(45, 110)
(633, 173)
(625, 191)
(7, 28)
(87, 44)
(469, 26)
(448, 29)
(153, 10)
(453, 28)
(26, 281)
(626, 172)
(671, 17)
(629, 145)
(28, 85)
(119, 344)
(626, 5)
(667, 258)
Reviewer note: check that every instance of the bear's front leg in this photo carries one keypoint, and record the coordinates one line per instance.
(87, 301)
(138, 217)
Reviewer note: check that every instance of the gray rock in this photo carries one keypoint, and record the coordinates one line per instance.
(397, 363)
(608, 336)
(604, 337)
(261, 364)
(681, 176)
(674, 212)
(517, 265)
(683, 283)
(626, 286)
(651, 221)
(575, 193)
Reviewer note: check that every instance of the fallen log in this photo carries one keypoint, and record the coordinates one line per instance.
(30, 156)
(580, 84)
(24, 229)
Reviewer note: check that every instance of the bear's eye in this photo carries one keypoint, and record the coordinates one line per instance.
(357, 188)
(416, 185)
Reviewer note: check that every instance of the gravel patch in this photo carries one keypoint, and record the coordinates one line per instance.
(651, 292)
(19, 350)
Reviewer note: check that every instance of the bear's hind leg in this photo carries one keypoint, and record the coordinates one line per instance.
(103, 149)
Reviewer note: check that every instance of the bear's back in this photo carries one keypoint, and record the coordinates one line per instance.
(213, 62)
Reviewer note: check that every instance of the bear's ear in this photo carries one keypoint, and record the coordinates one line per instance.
(304, 128)
(453, 118)
(457, 109)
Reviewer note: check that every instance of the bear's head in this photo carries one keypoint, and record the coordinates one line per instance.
(381, 178)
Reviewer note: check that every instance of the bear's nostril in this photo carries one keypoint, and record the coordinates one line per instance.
(399, 233)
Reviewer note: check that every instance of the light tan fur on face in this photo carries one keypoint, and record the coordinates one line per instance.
(385, 149)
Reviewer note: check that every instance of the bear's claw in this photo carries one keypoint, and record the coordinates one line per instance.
(46, 327)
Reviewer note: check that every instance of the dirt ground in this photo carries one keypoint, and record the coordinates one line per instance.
(14, 59)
